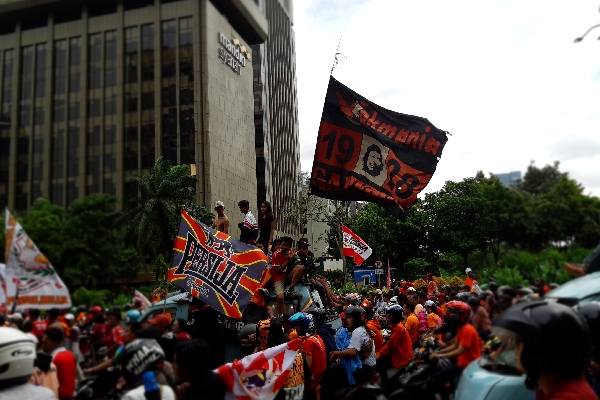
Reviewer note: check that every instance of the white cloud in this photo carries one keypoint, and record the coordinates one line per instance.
(504, 77)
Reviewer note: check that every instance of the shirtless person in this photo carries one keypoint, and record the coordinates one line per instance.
(221, 223)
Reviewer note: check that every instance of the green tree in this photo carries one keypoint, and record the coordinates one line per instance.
(44, 223)
(540, 180)
(95, 253)
(154, 220)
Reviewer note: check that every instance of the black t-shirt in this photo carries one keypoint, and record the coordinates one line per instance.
(264, 227)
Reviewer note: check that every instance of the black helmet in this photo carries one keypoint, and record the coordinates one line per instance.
(319, 316)
(505, 290)
(543, 326)
(591, 313)
(139, 356)
(395, 310)
(355, 311)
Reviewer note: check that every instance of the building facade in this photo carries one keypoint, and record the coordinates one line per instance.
(509, 179)
(93, 92)
(276, 114)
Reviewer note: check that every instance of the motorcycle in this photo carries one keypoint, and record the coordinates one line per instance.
(418, 379)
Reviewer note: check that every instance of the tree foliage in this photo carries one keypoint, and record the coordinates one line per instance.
(476, 221)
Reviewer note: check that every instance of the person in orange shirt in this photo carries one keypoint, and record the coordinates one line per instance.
(433, 320)
(465, 349)
(412, 326)
(470, 279)
(373, 325)
(397, 352)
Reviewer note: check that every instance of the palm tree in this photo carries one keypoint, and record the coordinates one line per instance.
(154, 220)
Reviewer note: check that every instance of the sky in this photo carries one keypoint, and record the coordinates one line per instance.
(503, 77)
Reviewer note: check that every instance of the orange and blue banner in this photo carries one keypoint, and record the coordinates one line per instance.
(223, 273)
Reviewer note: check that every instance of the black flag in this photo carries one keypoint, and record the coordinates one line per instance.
(366, 152)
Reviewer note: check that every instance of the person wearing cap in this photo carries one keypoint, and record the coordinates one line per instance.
(221, 223)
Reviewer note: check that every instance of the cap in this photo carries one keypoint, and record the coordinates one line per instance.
(219, 203)
(378, 291)
(429, 303)
(468, 270)
(411, 289)
(162, 320)
(303, 242)
(69, 317)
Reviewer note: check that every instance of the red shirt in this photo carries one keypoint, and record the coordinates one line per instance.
(114, 338)
(468, 339)
(39, 327)
(576, 389)
(66, 371)
(398, 347)
(315, 348)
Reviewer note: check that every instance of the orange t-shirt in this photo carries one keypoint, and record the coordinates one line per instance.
(469, 282)
(433, 321)
(374, 326)
(315, 347)
(412, 326)
(469, 340)
(398, 347)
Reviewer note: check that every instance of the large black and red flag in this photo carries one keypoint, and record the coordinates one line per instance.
(223, 273)
(366, 152)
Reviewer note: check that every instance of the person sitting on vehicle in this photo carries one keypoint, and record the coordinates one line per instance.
(412, 325)
(397, 352)
(553, 346)
(17, 355)
(142, 360)
(466, 347)
(591, 313)
(313, 350)
(361, 341)
(434, 321)
(480, 319)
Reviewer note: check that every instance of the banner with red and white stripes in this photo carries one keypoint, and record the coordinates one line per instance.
(354, 246)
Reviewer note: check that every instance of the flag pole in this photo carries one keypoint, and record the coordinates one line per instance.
(388, 282)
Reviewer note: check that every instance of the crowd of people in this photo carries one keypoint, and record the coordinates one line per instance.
(91, 352)
(382, 333)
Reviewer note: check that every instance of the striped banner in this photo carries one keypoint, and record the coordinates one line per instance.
(223, 273)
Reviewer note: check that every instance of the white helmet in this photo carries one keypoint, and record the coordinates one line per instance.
(17, 353)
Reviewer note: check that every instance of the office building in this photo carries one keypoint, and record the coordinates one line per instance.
(276, 114)
(93, 92)
(509, 179)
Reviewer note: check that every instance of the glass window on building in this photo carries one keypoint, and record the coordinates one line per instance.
(147, 147)
(186, 92)
(74, 65)
(24, 131)
(5, 122)
(58, 136)
(94, 104)
(38, 121)
(169, 90)
(95, 61)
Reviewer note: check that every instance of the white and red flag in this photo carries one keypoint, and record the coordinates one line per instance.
(354, 246)
(138, 297)
(260, 375)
